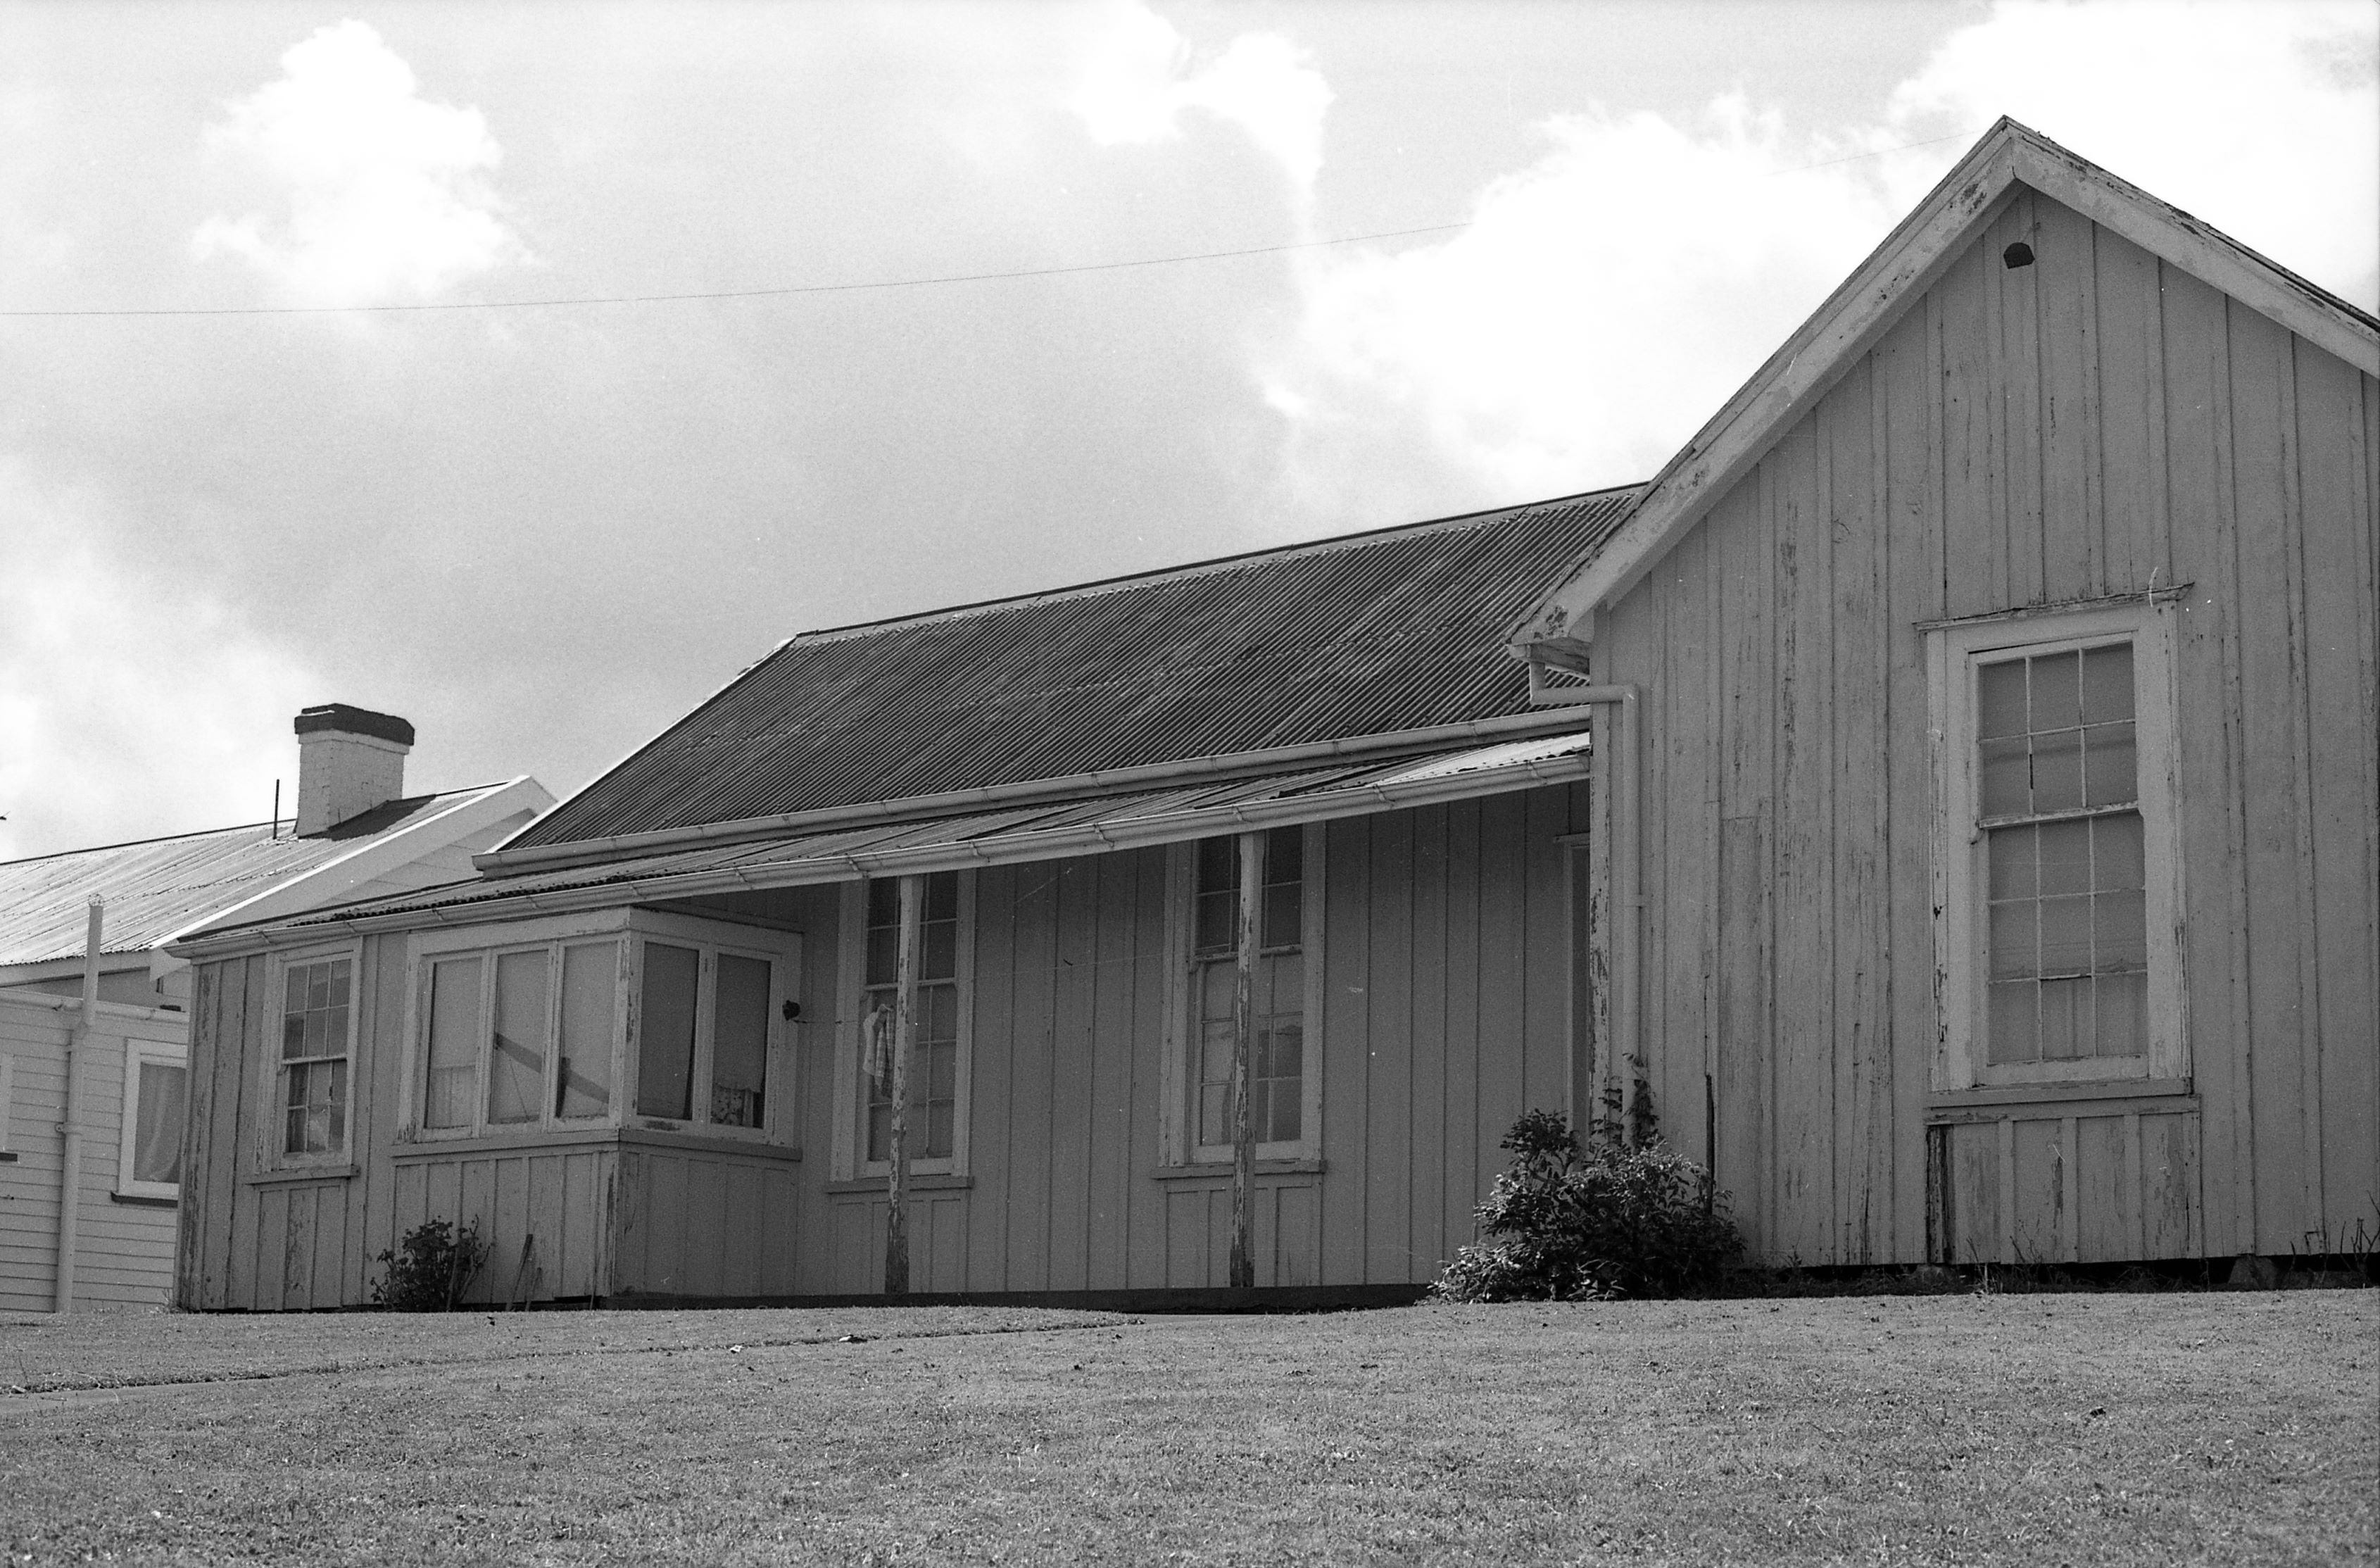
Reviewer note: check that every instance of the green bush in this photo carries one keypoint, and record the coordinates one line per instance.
(1609, 1219)
(431, 1268)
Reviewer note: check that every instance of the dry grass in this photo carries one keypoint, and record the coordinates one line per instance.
(1925, 1430)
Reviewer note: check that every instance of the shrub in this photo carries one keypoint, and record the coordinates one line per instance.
(1610, 1219)
(431, 1268)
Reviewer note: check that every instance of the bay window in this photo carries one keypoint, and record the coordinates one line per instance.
(554, 1025)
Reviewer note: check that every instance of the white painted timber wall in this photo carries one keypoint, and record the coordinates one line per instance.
(125, 1258)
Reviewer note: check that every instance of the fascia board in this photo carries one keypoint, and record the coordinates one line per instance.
(325, 883)
(2206, 253)
(1004, 849)
(1075, 786)
(1859, 312)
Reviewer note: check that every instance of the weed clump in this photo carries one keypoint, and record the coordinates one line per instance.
(1593, 1222)
(430, 1267)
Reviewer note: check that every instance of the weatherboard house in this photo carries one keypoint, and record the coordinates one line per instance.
(356, 833)
(1944, 797)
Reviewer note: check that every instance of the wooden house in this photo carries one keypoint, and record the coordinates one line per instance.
(2006, 652)
(1204, 930)
(94, 1026)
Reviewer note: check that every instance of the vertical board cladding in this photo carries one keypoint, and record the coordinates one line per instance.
(1447, 1011)
(2099, 423)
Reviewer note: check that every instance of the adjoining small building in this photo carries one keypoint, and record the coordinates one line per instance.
(356, 833)
(1944, 799)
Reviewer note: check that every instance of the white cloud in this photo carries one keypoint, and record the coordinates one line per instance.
(1607, 298)
(2261, 118)
(385, 195)
(1139, 80)
(128, 706)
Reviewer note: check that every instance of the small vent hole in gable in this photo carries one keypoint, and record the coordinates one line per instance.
(2018, 255)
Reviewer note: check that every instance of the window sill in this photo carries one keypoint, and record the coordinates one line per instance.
(563, 1140)
(2034, 1100)
(302, 1174)
(917, 1183)
(1222, 1170)
(143, 1200)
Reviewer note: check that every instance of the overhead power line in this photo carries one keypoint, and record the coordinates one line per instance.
(932, 282)
(755, 293)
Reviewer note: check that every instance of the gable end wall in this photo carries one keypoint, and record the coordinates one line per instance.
(2020, 437)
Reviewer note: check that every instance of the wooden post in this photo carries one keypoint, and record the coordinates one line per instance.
(1244, 997)
(904, 1035)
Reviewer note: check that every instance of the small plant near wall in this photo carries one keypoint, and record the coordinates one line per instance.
(430, 1267)
(1609, 1219)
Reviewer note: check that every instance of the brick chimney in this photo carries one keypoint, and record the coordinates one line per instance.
(349, 759)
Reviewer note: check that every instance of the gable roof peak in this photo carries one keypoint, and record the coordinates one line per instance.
(1866, 305)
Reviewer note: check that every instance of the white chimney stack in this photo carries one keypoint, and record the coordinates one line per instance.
(349, 759)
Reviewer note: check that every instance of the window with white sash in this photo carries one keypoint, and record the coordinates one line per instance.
(2056, 849)
(156, 1095)
(667, 1020)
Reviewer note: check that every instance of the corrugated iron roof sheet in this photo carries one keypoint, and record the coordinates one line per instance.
(1394, 630)
(157, 886)
(826, 855)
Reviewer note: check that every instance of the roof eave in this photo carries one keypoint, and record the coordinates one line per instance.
(993, 850)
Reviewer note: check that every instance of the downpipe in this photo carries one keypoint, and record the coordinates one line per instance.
(70, 1163)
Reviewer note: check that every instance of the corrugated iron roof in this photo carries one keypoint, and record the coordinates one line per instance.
(1374, 633)
(155, 887)
(1042, 831)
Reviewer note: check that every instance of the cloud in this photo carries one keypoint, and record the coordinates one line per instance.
(386, 194)
(1607, 298)
(1137, 82)
(2260, 117)
(128, 706)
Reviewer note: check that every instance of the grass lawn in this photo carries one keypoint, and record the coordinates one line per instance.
(2018, 1429)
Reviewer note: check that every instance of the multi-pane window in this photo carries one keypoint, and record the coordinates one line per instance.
(2058, 799)
(156, 1091)
(702, 1046)
(931, 1130)
(537, 1033)
(314, 1034)
(2061, 958)
(508, 1046)
(1276, 1024)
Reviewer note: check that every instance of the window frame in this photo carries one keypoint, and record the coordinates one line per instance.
(1180, 1133)
(276, 1153)
(138, 1052)
(629, 930)
(1956, 651)
(851, 988)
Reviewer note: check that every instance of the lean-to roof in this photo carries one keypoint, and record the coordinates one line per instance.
(1390, 631)
(1551, 749)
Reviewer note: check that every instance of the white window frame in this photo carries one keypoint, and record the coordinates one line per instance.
(164, 1053)
(277, 1156)
(7, 1100)
(1961, 877)
(850, 1024)
(631, 929)
(1180, 1084)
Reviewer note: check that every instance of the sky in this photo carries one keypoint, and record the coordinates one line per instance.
(543, 531)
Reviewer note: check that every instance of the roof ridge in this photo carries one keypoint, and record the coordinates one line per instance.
(1189, 569)
(242, 827)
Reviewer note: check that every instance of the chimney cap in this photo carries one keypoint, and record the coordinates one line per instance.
(339, 719)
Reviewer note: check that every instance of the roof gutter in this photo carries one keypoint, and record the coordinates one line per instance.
(1165, 827)
(1071, 786)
